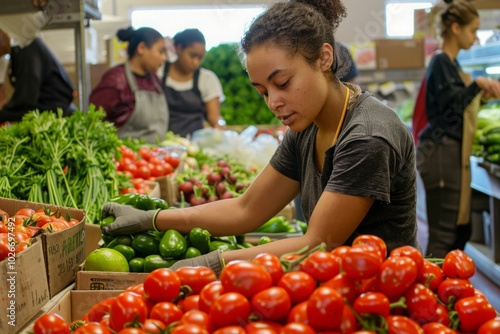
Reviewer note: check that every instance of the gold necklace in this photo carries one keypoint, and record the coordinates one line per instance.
(341, 121)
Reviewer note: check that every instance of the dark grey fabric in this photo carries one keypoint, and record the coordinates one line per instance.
(446, 99)
(373, 157)
(438, 164)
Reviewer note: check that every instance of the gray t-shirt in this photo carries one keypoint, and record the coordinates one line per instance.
(373, 157)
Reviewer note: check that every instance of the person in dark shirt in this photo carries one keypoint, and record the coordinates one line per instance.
(132, 94)
(452, 100)
(350, 156)
(38, 79)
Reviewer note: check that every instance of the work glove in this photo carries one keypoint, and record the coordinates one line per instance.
(212, 260)
(128, 220)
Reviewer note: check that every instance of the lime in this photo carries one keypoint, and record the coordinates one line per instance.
(127, 251)
(106, 259)
(136, 265)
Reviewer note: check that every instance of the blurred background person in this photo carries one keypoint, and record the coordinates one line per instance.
(193, 93)
(38, 79)
(452, 100)
(131, 93)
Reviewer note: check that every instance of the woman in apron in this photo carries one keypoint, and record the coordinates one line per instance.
(193, 93)
(131, 93)
(452, 101)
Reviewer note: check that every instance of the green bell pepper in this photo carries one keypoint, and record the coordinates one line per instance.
(274, 225)
(173, 244)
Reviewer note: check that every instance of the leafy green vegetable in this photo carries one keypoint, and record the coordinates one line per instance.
(64, 161)
(243, 104)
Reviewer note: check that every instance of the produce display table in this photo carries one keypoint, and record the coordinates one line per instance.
(485, 178)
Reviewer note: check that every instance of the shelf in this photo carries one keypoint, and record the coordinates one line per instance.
(380, 76)
(65, 14)
(480, 55)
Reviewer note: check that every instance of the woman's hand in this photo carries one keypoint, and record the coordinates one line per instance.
(490, 88)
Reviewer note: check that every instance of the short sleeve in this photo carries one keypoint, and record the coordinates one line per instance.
(285, 159)
(364, 167)
(210, 86)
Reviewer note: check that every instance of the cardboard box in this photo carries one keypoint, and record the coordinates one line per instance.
(71, 305)
(24, 289)
(364, 55)
(400, 53)
(63, 251)
(93, 237)
(102, 280)
(168, 189)
(154, 189)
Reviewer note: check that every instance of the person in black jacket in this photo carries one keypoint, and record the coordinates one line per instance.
(38, 78)
(452, 100)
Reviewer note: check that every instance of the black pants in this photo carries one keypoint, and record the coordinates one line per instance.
(439, 166)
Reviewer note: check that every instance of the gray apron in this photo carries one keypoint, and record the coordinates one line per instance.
(150, 117)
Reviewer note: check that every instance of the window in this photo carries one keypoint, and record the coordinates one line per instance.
(219, 25)
(399, 16)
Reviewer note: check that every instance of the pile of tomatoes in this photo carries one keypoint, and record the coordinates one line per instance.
(17, 230)
(146, 164)
(352, 289)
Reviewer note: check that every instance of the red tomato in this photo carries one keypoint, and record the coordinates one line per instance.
(399, 324)
(173, 161)
(490, 327)
(457, 264)
(197, 317)
(41, 219)
(188, 329)
(349, 323)
(272, 264)
(137, 288)
(412, 253)
(372, 303)
(343, 285)
(361, 261)
(442, 315)
(437, 328)
(190, 302)
(127, 307)
(132, 330)
(153, 326)
(298, 284)
(209, 294)
(230, 330)
(271, 304)
(196, 277)
(473, 312)
(253, 326)
(99, 310)
(127, 152)
(51, 323)
(321, 265)
(4, 216)
(452, 289)
(340, 252)
(245, 277)
(374, 241)
(166, 312)
(162, 285)
(396, 275)
(27, 212)
(368, 285)
(230, 309)
(431, 275)
(145, 152)
(421, 303)
(324, 309)
(92, 328)
(158, 171)
(298, 313)
(297, 328)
